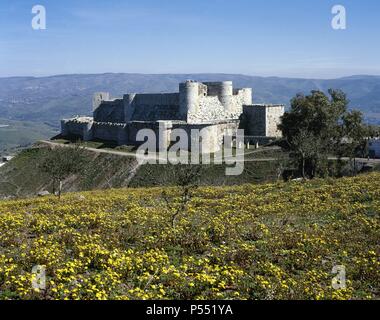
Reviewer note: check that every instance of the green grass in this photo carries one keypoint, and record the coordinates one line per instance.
(95, 144)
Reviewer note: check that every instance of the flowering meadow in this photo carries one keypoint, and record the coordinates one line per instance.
(274, 241)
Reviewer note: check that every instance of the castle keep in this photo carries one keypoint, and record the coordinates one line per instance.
(214, 108)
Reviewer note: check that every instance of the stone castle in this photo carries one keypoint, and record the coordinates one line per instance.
(211, 107)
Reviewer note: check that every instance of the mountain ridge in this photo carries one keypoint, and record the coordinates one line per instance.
(354, 76)
(46, 100)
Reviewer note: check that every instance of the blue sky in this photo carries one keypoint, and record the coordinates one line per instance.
(291, 38)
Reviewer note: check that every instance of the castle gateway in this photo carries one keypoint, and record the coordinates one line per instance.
(213, 108)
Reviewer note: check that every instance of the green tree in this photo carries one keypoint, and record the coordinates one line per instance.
(373, 131)
(355, 133)
(316, 113)
(61, 162)
(315, 127)
(306, 146)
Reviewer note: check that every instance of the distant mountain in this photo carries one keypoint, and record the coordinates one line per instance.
(48, 99)
(16, 135)
(32, 107)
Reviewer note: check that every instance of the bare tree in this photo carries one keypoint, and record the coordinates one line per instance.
(281, 163)
(186, 180)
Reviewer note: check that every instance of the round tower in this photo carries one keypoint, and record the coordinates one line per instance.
(224, 91)
(188, 98)
(225, 95)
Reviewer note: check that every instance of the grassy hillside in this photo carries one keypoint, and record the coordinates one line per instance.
(275, 241)
(22, 177)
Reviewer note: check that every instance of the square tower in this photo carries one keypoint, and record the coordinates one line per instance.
(262, 120)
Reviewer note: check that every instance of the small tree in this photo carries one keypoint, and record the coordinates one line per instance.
(281, 162)
(60, 162)
(186, 180)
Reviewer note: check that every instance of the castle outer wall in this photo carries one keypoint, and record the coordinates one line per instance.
(212, 107)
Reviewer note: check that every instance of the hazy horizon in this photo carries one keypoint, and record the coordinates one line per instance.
(187, 73)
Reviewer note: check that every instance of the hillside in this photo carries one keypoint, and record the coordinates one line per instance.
(46, 100)
(274, 241)
(22, 177)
